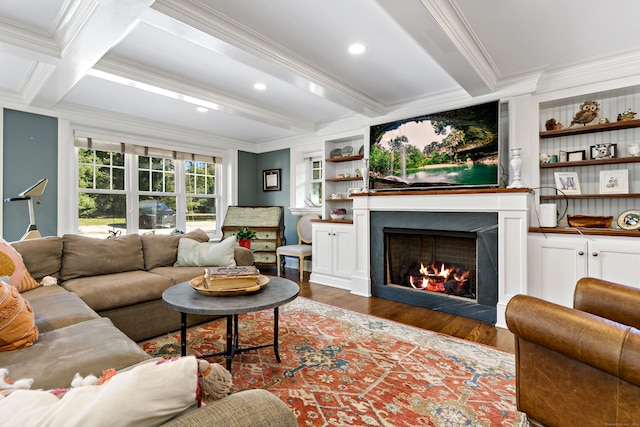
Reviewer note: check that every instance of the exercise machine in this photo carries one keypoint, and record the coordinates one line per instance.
(36, 190)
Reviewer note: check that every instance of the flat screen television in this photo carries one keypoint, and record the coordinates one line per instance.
(455, 148)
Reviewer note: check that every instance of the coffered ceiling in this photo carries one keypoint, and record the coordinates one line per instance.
(156, 61)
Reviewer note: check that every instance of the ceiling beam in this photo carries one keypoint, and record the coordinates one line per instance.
(214, 100)
(437, 27)
(95, 29)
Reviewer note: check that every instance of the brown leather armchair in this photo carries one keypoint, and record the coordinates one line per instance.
(579, 366)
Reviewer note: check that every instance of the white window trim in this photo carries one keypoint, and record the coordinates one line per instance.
(299, 156)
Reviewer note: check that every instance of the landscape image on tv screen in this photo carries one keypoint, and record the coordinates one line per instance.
(455, 148)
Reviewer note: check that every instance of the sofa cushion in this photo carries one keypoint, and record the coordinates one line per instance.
(42, 257)
(84, 256)
(58, 310)
(179, 274)
(161, 250)
(12, 266)
(192, 253)
(116, 290)
(87, 348)
(17, 322)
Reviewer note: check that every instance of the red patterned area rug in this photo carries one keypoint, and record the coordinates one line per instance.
(342, 368)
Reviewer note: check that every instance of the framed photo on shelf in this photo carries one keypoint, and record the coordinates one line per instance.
(271, 180)
(604, 151)
(614, 182)
(576, 156)
(563, 156)
(567, 182)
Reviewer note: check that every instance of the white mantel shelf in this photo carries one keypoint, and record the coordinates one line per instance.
(511, 204)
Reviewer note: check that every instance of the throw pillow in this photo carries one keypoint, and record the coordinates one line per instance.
(17, 322)
(11, 265)
(192, 253)
(148, 395)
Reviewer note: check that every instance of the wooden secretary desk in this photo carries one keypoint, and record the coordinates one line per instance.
(266, 221)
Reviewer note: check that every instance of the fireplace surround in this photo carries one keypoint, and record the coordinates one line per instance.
(481, 227)
(510, 206)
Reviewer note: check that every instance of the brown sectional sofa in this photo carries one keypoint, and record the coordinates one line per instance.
(108, 296)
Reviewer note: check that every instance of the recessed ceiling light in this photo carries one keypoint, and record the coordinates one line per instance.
(357, 49)
(259, 86)
(202, 109)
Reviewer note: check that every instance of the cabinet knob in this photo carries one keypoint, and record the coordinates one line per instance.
(580, 253)
(595, 254)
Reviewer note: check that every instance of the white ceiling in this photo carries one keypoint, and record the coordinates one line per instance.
(155, 61)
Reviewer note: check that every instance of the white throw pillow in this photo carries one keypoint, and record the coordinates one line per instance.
(148, 395)
(192, 253)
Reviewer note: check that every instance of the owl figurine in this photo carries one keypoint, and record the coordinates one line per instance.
(588, 114)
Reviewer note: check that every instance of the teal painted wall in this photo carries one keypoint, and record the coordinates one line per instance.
(248, 178)
(30, 153)
(258, 163)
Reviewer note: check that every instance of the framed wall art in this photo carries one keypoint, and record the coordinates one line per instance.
(567, 182)
(271, 180)
(614, 182)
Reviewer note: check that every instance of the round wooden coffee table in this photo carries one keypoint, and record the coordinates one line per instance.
(183, 298)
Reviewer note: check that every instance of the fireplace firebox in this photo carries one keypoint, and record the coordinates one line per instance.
(444, 261)
(432, 261)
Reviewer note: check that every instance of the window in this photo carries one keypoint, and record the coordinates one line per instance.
(201, 195)
(161, 190)
(314, 181)
(102, 200)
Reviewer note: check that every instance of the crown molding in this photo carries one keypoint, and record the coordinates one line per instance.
(288, 66)
(602, 69)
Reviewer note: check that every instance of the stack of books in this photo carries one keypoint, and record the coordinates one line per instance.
(227, 278)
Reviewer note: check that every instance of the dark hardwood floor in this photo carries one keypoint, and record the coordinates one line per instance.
(445, 323)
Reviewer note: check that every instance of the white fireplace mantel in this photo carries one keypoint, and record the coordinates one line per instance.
(510, 204)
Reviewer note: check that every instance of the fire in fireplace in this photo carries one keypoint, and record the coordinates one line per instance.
(451, 259)
(447, 280)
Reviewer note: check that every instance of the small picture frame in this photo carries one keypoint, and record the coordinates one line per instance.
(614, 182)
(271, 180)
(563, 156)
(567, 182)
(576, 156)
(604, 151)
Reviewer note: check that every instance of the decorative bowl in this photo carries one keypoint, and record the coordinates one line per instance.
(338, 213)
(589, 221)
(199, 284)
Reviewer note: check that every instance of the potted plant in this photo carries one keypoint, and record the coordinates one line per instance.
(245, 235)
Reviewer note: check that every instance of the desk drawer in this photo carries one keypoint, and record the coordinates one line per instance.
(263, 245)
(265, 257)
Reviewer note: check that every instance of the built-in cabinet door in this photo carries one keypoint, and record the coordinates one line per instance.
(344, 255)
(615, 261)
(556, 265)
(322, 249)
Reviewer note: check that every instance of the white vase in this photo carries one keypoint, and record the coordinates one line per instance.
(516, 166)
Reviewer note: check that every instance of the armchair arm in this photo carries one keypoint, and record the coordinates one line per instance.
(603, 344)
(610, 300)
